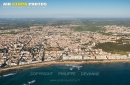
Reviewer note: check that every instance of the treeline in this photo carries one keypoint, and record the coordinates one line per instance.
(20, 23)
(103, 22)
(88, 28)
(90, 23)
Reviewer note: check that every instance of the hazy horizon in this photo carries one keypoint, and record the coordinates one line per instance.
(68, 9)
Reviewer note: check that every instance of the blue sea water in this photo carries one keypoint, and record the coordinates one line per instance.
(87, 74)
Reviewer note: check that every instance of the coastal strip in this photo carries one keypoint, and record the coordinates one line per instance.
(2, 70)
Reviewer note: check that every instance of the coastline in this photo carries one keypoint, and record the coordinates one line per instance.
(42, 64)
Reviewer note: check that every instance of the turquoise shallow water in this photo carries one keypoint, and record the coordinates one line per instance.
(88, 74)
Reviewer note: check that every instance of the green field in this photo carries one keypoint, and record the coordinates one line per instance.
(114, 48)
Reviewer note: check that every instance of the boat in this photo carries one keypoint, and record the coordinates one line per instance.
(24, 84)
(71, 68)
(30, 82)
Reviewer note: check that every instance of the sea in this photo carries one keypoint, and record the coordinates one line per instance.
(70, 74)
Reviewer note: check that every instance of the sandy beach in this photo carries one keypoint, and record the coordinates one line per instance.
(62, 63)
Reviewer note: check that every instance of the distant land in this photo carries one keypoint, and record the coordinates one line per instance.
(26, 41)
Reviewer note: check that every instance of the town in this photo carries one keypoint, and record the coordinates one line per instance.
(59, 43)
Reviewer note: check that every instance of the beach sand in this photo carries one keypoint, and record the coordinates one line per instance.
(2, 70)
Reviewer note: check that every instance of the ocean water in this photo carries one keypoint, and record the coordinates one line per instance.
(86, 74)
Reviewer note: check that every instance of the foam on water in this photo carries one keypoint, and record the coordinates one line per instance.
(9, 74)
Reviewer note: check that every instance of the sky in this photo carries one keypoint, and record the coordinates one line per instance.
(69, 9)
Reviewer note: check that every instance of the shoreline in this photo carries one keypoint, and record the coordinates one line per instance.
(42, 64)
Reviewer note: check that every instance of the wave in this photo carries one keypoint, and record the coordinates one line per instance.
(73, 66)
(34, 67)
(9, 74)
